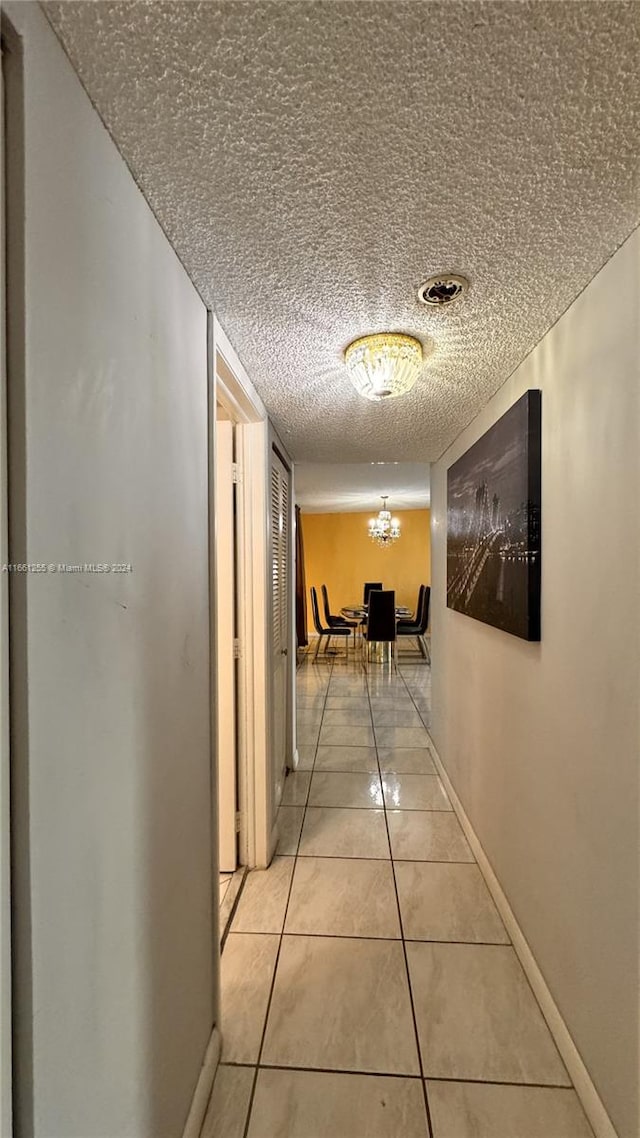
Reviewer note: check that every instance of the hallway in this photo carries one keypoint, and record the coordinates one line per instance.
(282, 282)
(369, 989)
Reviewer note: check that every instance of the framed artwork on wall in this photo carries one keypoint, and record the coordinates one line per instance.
(493, 523)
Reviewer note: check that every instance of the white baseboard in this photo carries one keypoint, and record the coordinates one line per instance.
(202, 1093)
(295, 761)
(590, 1099)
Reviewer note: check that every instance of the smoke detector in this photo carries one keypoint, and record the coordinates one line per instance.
(442, 289)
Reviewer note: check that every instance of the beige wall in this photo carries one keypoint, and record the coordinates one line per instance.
(541, 741)
(339, 553)
(113, 889)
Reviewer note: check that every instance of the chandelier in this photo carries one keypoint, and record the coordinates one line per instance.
(384, 365)
(384, 529)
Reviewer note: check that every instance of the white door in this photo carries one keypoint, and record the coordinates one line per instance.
(225, 634)
(280, 529)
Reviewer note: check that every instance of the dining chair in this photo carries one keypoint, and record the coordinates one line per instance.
(341, 631)
(419, 628)
(381, 621)
(331, 620)
(415, 619)
(368, 586)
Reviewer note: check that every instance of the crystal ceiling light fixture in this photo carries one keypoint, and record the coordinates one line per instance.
(384, 529)
(384, 365)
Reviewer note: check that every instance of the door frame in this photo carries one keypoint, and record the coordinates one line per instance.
(5, 780)
(234, 390)
(225, 629)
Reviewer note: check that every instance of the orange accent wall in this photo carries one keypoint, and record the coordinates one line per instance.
(340, 554)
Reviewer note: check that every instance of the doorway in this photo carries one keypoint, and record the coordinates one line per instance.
(242, 765)
(227, 644)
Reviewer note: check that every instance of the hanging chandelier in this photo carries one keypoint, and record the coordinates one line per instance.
(384, 365)
(384, 529)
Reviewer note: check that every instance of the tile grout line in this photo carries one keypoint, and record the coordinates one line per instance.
(396, 1075)
(387, 939)
(402, 940)
(407, 809)
(281, 937)
(404, 860)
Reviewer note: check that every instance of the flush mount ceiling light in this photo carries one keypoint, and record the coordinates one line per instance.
(384, 529)
(384, 365)
(442, 289)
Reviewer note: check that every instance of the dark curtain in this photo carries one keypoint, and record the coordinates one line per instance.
(301, 586)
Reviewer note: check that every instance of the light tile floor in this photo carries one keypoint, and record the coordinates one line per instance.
(230, 886)
(369, 989)
(225, 878)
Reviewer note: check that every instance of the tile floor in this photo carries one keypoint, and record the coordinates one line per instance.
(230, 886)
(225, 879)
(369, 989)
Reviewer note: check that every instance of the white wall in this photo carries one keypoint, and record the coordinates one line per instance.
(541, 741)
(115, 907)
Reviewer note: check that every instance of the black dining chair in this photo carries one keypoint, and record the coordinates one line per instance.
(342, 630)
(331, 620)
(368, 586)
(419, 628)
(381, 620)
(415, 619)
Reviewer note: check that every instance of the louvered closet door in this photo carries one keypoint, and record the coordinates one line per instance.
(280, 613)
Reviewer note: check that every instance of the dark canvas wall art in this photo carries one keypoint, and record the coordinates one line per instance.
(493, 524)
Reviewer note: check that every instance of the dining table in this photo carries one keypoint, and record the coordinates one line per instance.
(359, 612)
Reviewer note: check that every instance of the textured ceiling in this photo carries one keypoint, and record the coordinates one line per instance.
(344, 487)
(313, 162)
